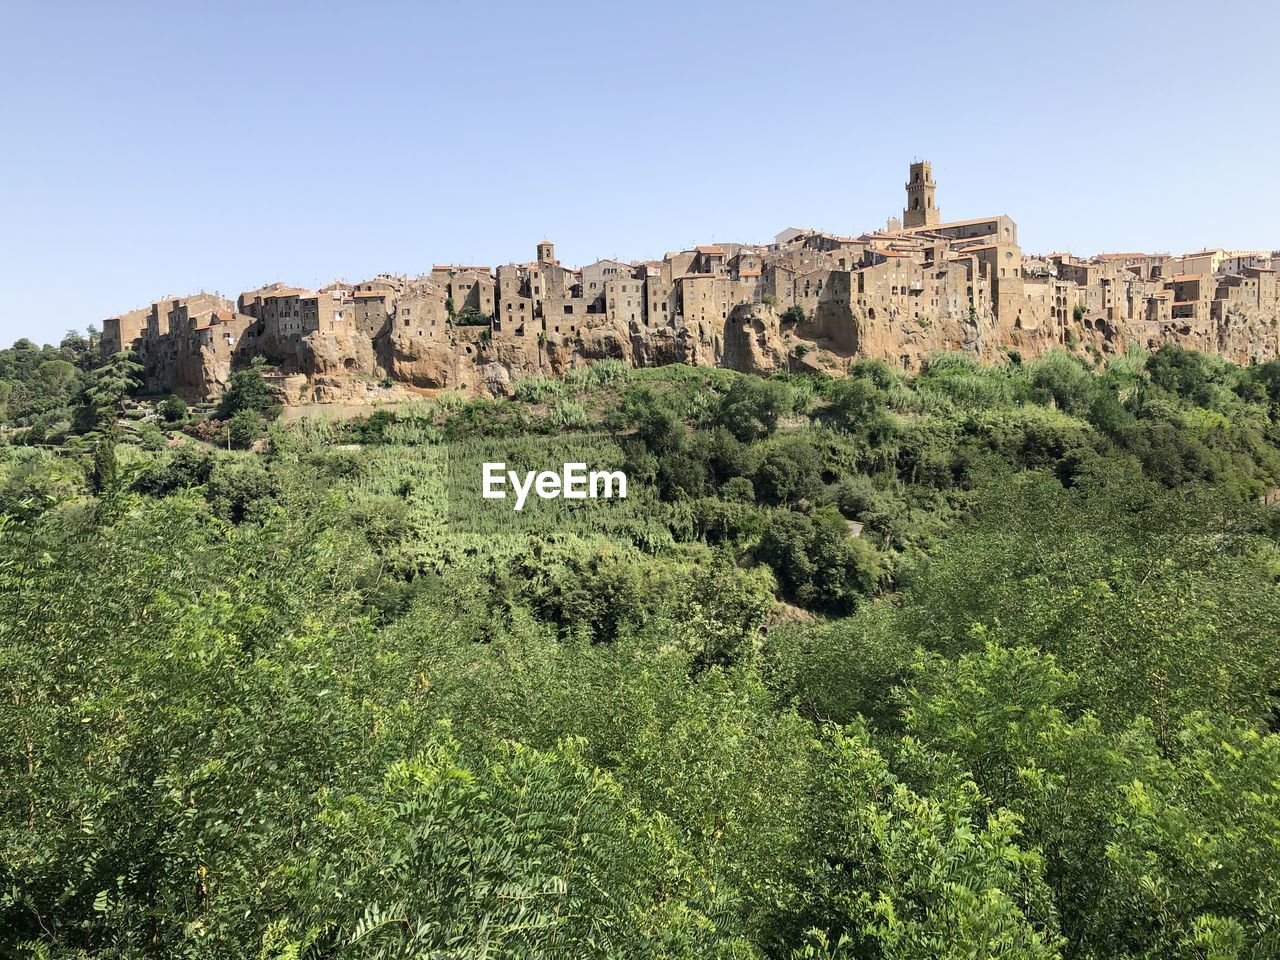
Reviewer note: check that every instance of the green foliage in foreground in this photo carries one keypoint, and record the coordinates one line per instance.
(313, 702)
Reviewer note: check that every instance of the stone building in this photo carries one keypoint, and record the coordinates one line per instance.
(900, 293)
(920, 210)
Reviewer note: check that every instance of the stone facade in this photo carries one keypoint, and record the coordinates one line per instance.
(808, 300)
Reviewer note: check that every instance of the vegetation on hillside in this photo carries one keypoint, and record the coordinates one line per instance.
(978, 663)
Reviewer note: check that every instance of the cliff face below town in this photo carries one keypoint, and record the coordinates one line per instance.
(351, 366)
(474, 361)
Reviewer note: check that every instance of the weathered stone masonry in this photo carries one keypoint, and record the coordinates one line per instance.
(809, 299)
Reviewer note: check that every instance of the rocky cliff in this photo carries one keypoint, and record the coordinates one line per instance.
(327, 367)
(361, 362)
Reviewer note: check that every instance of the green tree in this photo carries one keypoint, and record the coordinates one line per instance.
(172, 408)
(248, 390)
(1146, 856)
(245, 426)
(187, 467)
(818, 562)
(751, 408)
(1062, 378)
(58, 376)
(1154, 599)
(789, 471)
(897, 874)
(105, 476)
(119, 376)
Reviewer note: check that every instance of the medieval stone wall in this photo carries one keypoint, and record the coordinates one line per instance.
(809, 300)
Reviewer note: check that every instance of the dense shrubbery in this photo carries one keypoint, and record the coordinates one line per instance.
(980, 663)
(248, 391)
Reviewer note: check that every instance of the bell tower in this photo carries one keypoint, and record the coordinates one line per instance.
(546, 252)
(921, 211)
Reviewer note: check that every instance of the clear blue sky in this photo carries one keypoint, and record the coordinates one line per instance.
(153, 149)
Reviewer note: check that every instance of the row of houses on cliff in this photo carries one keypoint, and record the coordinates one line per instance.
(920, 284)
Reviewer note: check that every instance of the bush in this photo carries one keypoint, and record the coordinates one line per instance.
(471, 317)
(187, 467)
(244, 427)
(537, 389)
(751, 408)
(1061, 378)
(150, 437)
(241, 490)
(249, 390)
(789, 472)
(738, 490)
(212, 430)
(818, 562)
(172, 408)
(372, 429)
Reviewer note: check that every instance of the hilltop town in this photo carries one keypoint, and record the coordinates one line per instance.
(809, 300)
